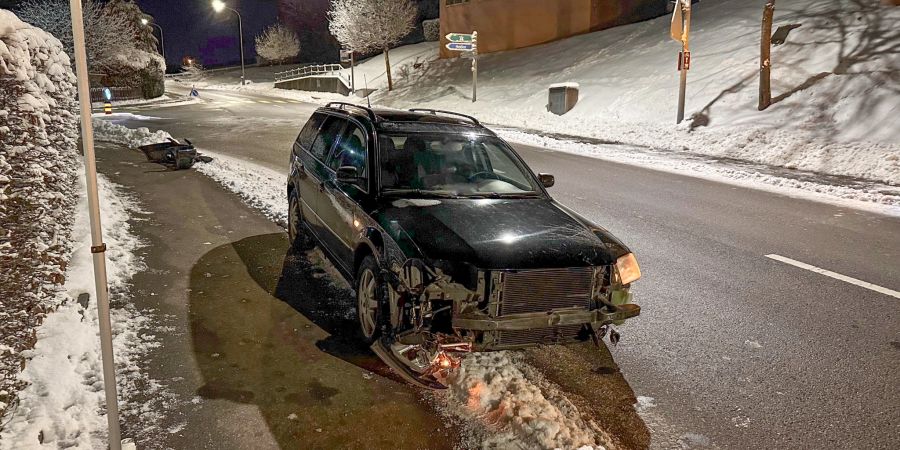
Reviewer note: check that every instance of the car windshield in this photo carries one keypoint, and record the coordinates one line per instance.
(455, 165)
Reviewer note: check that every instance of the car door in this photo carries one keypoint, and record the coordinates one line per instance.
(339, 206)
(316, 173)
(301, 164)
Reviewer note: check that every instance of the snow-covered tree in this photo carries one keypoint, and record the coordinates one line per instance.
(365, 25)
(142, 35)
(277, 43)
(106, 34)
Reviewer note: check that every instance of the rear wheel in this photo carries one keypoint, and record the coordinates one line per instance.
(297, 232)
(370, 294)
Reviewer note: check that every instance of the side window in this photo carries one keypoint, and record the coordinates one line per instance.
(308, 133)
(328, 133)
(351, 150)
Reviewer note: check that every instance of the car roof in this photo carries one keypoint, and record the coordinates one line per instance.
(410, 120)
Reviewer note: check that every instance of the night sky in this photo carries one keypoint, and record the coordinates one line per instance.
(192, 28)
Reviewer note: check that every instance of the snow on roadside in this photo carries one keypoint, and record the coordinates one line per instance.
(260, 187)
(106, 130)
(63, 405)
(878, 198)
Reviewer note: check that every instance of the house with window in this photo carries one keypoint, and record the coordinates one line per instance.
(510, 24)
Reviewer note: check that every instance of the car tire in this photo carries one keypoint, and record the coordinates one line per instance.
(298, 235)
(371, 295)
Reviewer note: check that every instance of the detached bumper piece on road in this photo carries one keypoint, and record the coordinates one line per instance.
(173, 154)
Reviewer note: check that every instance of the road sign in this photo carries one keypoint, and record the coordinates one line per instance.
(107, 94)
(459, 37)
(460, 46)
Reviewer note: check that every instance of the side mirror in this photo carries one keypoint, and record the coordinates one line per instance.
(547, 180)
(347, 174)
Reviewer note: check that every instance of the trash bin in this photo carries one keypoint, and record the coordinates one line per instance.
(563, 97)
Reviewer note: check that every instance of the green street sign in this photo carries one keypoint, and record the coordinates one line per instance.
(459, 37)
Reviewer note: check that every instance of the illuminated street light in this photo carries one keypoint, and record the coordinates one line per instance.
(162, 40)
(219, 6)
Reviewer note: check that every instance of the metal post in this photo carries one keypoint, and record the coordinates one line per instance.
(162, 40)
(98, 248)
(241, 33)
(685, 48)
(474, 66)
(352, 73)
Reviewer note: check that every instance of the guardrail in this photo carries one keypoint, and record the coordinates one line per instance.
(307, 71)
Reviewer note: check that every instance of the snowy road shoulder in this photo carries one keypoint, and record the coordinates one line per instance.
(866, 196)
(63, 404)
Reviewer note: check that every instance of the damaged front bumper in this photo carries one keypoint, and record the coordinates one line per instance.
(531, 329)
(595, 318)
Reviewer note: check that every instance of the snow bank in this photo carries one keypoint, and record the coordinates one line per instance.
(106, 130)
(62, 407)
(38, 163)
(836, 107)
(260, 187)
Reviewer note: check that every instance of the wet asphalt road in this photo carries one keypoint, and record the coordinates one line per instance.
(735, 349)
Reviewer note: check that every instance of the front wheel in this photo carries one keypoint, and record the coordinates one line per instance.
(297, 235)
(370, 294)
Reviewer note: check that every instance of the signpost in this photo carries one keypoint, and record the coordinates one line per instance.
(461, 42)
(347, 56)
(681, 31)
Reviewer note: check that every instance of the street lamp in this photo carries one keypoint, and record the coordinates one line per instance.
(218, 6)
(162, 40)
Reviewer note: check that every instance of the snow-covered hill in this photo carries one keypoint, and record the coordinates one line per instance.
(836, 85)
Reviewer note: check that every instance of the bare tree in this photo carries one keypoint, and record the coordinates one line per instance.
(277, 43)
(106, 34)
(365, 25)
(765, 56)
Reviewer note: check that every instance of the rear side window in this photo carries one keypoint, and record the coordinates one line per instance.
(328, 133)
(308, 134)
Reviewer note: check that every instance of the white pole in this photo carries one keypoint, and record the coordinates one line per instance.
(98, 248)
(685, 48)
(474, 66)
(352, 72)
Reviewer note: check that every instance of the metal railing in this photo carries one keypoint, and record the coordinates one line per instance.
(118, 93)
(308, 71)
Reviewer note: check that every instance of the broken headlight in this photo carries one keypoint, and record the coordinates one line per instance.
(628, 269)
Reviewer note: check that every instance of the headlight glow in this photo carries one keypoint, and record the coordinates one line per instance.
(628, 268)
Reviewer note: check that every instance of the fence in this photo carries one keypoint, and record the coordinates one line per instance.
(118, 93)
(320, 69)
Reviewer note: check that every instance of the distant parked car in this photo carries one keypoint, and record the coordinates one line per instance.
(452, 242)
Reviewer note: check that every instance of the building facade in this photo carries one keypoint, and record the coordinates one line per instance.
(510, 24)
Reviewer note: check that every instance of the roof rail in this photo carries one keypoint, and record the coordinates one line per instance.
(436, 111)
(345, 105)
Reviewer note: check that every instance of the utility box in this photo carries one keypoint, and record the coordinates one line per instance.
(563, 97)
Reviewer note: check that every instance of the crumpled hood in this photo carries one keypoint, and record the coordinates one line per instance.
(497, 234)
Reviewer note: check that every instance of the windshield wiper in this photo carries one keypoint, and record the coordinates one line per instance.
(421, 193)
(503, 195)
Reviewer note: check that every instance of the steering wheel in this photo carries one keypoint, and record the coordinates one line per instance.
(484, 174)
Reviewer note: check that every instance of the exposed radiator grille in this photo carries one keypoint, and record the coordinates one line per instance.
(552, 335)
(541, 290)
